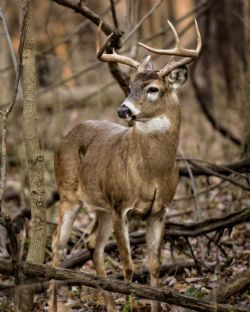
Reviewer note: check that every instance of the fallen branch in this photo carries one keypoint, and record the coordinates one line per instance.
(140, 276)
(242, 166)
(231, 287)
(172, 231)
(167, 295)
(208, 170)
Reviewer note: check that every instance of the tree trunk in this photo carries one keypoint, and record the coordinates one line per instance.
(24, 298)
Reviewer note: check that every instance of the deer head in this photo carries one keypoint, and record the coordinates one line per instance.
(151, 88)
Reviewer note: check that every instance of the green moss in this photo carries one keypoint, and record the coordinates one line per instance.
(194, 292)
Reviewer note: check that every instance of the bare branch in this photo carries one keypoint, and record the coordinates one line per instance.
(219, 175)
(193, 184)
(92, 16)
(7, 35)
(114, 15)
(5, 113)
(138, 25)
(242, 166)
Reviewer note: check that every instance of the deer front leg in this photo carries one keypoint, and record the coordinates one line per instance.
(96, 242)
(120, 225)
(154, 234)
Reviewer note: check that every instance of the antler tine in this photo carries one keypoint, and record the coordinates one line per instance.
(199, 42)
(114, 57)
(187, 59)
(176, 37)
(178, 50)
(100, 49)
(188, 54)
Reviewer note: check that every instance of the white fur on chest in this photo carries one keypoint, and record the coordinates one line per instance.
(157, 124)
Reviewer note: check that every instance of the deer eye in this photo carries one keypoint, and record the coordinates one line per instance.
(152, 90)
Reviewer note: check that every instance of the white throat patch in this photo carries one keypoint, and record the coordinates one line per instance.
(157, 124)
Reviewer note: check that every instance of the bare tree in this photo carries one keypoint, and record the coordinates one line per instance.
(35, 159)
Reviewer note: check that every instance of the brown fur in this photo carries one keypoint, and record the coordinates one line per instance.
(113, 169)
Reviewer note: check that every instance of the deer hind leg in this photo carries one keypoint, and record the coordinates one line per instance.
(68, 212)
(96, 241)
(154, 235)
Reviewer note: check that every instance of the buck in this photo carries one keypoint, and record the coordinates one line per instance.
(113, 169)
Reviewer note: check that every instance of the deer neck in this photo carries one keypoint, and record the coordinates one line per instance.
(163, 128)
(157, 139)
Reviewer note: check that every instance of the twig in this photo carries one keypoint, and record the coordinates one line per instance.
(221, 176)
(114, 15)
(213, 165)
(242, 166)
(92, 16)
(5, 112)
(216, 240)
(196, 261)
(132, 16)
(193, 186)
(7, 35)
(137, 26)
(80, 27)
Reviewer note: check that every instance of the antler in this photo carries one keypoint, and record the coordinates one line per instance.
(189, 55)
(114, 57)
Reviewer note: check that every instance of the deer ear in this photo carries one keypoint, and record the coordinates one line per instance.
(146, 64)
(177, 77)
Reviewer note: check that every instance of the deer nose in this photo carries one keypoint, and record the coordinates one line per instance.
(124, 111)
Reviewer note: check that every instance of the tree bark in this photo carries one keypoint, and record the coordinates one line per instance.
(35, 159)
(34, 154)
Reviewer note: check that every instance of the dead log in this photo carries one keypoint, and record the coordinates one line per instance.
(165, 295)
(228, 288)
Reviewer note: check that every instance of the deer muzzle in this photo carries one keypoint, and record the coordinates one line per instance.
(128, 110)
(124, 112)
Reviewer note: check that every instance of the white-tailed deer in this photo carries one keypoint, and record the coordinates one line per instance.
(115, 169)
